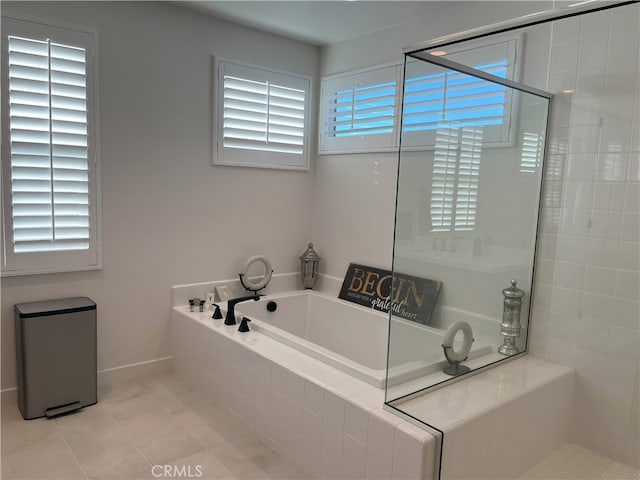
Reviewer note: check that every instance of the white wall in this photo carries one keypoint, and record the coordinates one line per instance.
(169, 217)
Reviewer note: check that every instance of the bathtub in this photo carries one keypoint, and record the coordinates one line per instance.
(347, 336)
(315, 413)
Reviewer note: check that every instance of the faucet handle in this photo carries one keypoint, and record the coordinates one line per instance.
(217, 314)
(244, 327)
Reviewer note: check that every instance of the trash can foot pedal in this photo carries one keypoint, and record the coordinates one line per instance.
(53, 411)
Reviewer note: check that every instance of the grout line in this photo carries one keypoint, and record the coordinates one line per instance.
(6, 463)
(151, 465)
(64, 439)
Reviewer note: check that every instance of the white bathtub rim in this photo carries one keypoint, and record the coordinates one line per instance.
(376, 378)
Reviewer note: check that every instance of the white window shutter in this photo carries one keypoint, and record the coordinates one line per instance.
(262, 117)
(359, 111)
(49, 149)
(455, 179)
(49, 170)
(531, 156)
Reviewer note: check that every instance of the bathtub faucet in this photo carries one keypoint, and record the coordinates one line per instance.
(230, 319)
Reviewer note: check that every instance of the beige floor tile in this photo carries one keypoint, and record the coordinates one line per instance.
(118, 391)
(10, 411)
(5, 473)
(50, 459)
(238, 463)
(283, 469)
(18, 433)
(86, 420)
(163, 384)
(107, 452)
(160, 437)
(137, 403)
(206, 464)
(180, 402)
(207, 434)
(250, 458)
(226, 423)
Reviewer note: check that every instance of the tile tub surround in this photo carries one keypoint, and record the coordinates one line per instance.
(499, 423)
(335, 426)
(328, 423)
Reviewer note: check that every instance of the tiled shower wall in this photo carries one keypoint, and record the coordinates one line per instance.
(585, 310)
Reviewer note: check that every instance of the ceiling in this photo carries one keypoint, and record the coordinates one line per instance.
(320, 22)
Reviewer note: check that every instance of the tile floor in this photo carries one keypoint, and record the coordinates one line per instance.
(573, 462)
(156, 427)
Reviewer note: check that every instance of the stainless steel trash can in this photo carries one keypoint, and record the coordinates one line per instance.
(56, 356)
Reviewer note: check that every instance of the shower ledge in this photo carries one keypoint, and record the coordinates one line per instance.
(499, 423)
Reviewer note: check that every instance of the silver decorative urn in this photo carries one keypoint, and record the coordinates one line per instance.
(510, 327)
(309, 262)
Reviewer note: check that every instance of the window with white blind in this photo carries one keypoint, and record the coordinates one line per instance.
(436, 97)
(531, 157)
(359, 110)
(262, 117)
(452, 97)
(49, 161)
(454, 187)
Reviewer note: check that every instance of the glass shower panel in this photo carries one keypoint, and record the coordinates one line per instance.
(469, 180)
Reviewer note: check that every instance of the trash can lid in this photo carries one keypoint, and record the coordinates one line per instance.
(55, 307)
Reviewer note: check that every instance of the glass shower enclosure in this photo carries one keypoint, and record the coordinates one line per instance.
(469, 188)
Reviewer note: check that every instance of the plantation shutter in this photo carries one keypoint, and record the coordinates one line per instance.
(49, 149)
(263, 117)
(49, 169)
(359, 110)
(443, 180)
(366, 110)
(455, 179)
(468, 176)
(531, 156)
(432, 101)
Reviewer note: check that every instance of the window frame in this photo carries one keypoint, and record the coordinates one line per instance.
(33, 263)
(239, 157)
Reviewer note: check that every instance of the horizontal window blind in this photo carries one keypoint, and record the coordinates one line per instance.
(468, 176)
(455, 179)
(443, 180)
(366, 110)
(531, 157)
(359, 110)
(432, 101)
(49, 157)
(49, 146)
(263, 116)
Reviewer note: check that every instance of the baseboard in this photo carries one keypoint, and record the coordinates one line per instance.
(9, 396)
(127, 372)
(109, 376)
(117, 374)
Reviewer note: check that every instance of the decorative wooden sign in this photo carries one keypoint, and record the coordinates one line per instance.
(407, 296)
